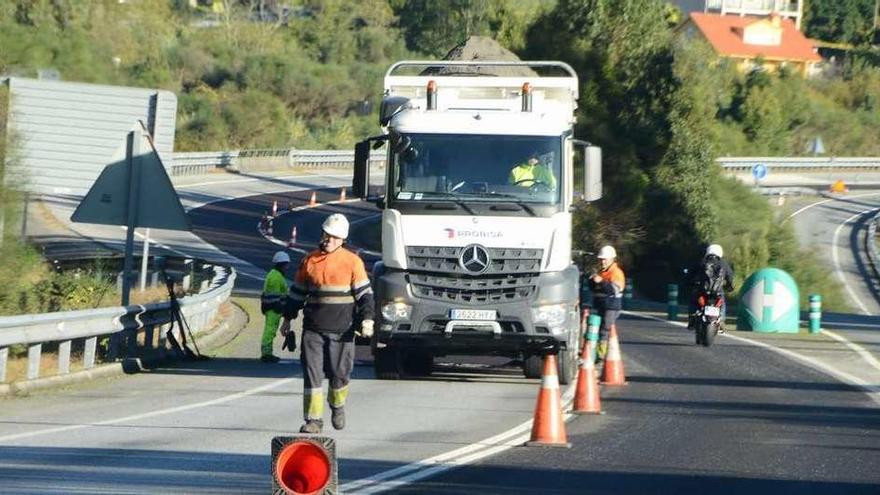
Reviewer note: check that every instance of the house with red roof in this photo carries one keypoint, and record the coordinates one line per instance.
(771, 41)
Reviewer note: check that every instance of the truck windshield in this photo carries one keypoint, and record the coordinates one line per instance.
(491, 168)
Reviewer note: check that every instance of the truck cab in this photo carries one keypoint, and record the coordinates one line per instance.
(476, 222)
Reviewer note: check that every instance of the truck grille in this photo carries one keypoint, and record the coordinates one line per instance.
(435, 273)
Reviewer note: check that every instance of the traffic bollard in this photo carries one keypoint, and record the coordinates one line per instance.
(627, 294)
(593, 322)
(815, 313)
(672, 304)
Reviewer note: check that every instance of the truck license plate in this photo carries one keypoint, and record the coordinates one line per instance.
(472, 314)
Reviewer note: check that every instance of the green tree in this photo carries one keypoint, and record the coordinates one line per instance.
(842, 21)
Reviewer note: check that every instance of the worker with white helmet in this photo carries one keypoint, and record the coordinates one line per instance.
(272, 302)
(712, 274)
(333, 291)
(607, 286)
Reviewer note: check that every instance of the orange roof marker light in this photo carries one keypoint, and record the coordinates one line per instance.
(526, 97)
(432, 95)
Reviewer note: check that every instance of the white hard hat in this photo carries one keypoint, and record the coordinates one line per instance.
(280, 257)
(715, 250)
(336, 225)
(607, 253)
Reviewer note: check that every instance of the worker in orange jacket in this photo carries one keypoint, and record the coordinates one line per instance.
(607, 287)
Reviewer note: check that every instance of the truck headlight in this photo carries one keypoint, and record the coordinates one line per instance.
(396, 311)
(552, 314)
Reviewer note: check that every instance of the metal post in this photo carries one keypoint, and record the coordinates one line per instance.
(4, 354)
(64, 357)
(34, 353)
(627, 294)
(815, 313)
(672, 302)
(145, 258)
(91, 345)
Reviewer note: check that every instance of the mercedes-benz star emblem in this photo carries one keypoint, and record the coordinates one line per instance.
(474, 259)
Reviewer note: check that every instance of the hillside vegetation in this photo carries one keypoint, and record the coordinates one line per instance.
(662, 109)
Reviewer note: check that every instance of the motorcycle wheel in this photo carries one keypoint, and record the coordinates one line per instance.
(711, 330)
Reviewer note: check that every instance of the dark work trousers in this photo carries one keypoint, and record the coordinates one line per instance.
(330, 355)
(609, 317)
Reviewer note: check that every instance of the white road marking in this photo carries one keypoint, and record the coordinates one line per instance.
(817, 203)
(871, 390)
(151, 414)
(861, 351)
(836, 259)
(409, 473)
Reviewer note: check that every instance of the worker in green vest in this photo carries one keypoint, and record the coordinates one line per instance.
(272, 303)
(532, 173)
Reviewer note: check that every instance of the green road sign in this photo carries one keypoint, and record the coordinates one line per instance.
(769, 302)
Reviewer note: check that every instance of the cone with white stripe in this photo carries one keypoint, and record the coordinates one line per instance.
(274, 208)
(586, 396)
(342, 194)
(548, 427)
(313, 200)
(292, 241)
(613, 373)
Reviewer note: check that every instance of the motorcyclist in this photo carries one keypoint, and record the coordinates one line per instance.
(697, 278)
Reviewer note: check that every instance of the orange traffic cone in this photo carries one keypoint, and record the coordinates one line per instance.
(586, 395)
(838, 187)
(342, 194)
(274, 208)
(613, 373)
(304, 464)
(313, 201)
(548, 428)
(292, 240)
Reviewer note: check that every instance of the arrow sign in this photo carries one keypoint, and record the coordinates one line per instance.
(780, 301)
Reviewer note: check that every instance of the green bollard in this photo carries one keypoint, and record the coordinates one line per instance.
(627, 294)
(815, 313)
(593, 322)
(672, 304)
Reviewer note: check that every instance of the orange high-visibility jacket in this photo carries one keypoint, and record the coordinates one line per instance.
(331, 288)
(609, 292)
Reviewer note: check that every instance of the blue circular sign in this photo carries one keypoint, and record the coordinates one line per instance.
(759, 171)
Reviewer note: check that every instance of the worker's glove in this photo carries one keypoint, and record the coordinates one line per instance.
(366, 329)
(285, 327)
(289, 342)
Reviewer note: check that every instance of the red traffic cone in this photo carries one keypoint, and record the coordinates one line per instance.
(274, 208)
(292, 240)
(613, 373)
(548, 427)
(304, 465)
(342, 194)
(313, 200)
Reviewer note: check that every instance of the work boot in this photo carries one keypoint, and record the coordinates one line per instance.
(312, 426)
(338, 417)
(269, 358)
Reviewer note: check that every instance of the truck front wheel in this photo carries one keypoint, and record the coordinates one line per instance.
(566, 362)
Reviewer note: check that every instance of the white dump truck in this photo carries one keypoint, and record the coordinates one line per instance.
(476, 214)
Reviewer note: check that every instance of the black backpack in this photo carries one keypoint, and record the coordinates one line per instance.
(712, 278)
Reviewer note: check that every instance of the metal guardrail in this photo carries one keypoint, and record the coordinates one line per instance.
(871, 247)
(128, 322)
(806, 164)
(204, 162)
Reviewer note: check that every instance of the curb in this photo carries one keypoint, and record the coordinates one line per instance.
(211, 338)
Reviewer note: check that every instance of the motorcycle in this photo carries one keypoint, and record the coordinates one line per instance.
(708, 318)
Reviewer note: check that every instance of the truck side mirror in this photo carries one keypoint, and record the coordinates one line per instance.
(592, 173)
(360, 184)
